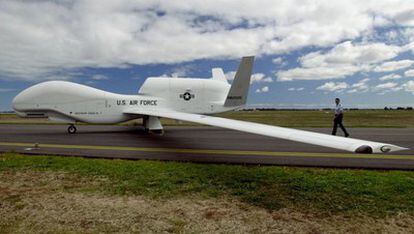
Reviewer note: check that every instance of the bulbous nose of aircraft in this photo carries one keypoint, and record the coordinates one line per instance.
(31, 99)
(17, 102)
(24, 100)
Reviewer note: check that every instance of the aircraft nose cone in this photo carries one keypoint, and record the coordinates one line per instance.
(18, 102)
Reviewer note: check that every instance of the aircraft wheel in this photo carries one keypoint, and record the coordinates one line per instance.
(158, 132)
(71, 129)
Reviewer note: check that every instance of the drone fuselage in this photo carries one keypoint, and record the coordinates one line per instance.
(70, 102)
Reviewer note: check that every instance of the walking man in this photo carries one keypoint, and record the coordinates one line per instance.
(339, 115)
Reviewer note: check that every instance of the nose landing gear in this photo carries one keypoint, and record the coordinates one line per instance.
(71, 129)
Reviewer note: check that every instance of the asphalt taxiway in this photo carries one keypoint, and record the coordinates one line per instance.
(203, 144)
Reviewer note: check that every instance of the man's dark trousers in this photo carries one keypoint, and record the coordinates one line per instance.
(338, 121)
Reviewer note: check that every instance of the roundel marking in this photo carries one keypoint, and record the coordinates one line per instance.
(187, 96)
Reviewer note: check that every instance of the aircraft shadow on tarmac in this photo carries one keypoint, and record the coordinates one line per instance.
(125, 136)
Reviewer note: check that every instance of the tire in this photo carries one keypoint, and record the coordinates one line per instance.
(71, 129)
(157, 132)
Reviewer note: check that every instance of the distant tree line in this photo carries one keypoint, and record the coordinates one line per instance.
(322, 109)
(399, 108)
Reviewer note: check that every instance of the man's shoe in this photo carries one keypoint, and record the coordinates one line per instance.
(347, 135)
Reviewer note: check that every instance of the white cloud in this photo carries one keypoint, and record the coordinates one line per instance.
(278, 61)
(230, 75)
(352, 91)
(381, 21)
(43, 38)
(99, 77)
(260, 77)
(394, 65)
(409, 46)
(256, 77)
(409, 73)
(333, 86)
(183, 71)
(390, 77)
(409, 86)
(342, 60)
(267, 79)
(408, 33)
(264, 89)
(316, 73)
(406, 17)
(386, 86)
(392, 35)
(347, 53)
(296, 89)
(360, 86)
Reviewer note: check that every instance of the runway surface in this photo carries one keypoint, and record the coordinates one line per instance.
(202, 144)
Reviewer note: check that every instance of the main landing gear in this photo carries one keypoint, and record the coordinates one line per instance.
(153, 125)
(71, 129)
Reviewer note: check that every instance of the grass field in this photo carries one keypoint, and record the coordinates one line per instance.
(49, 194)
(353, 118)
(93, 195)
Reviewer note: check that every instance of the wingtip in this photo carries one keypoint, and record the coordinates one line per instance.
(403, 148)
(369, 149)
(391, 148)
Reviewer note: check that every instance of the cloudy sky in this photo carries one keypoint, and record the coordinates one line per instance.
(307, 52)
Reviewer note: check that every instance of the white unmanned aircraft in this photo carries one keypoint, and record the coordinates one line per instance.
(185, 99)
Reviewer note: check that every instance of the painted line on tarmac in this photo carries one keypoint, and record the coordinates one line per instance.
(211, 152)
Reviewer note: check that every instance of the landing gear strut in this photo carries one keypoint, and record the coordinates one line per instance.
(71, 129)
(152, 124)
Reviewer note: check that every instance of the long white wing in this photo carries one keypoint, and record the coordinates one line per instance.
(342, 143)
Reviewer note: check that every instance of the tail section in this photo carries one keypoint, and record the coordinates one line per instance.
(239, 89)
